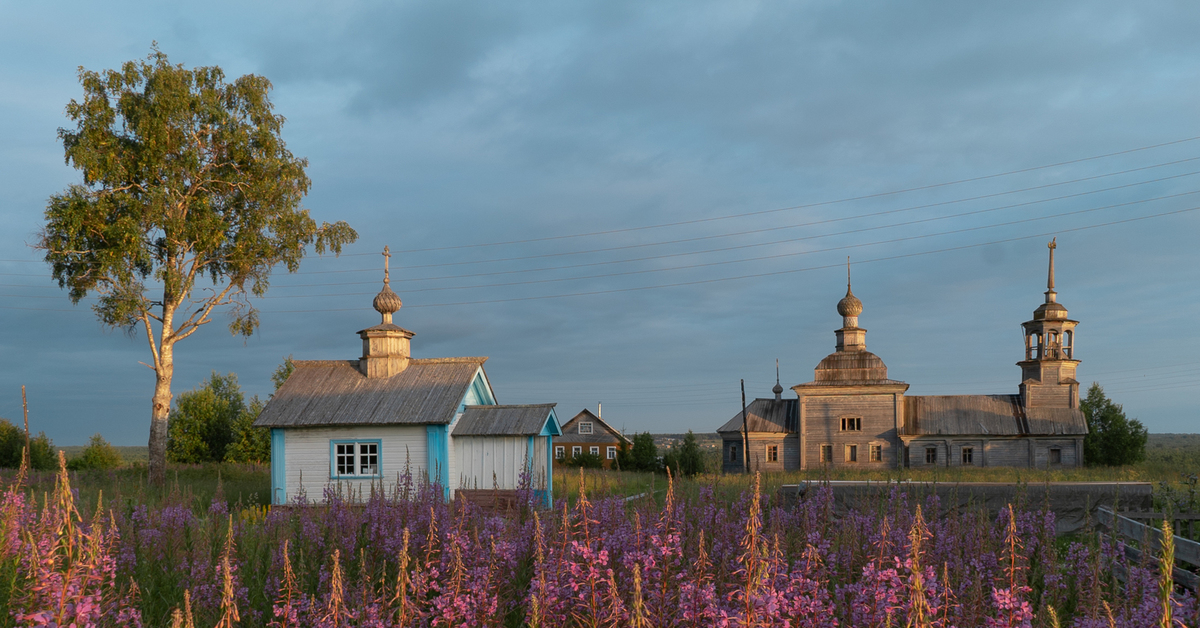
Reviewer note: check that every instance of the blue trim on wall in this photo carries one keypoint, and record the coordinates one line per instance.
(549, 498)
(479, 393)
(278, 468)
(551, 427)
(342, 441)
(438, 446)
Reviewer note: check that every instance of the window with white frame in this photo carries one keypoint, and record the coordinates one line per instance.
(355, 459)
(576, 450)
(595, 451)
(585, 427)
(612, 453)
(559, 452)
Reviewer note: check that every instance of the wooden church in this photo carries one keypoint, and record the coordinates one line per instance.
(853, 415)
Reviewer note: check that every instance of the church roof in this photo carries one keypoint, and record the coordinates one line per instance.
(1000, 415)
(516, 420)
(851, 367)
(766, 415)
(335, 392)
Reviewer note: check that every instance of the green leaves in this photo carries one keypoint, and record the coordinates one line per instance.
(184, 176)
(1112, 438)
(201, 425)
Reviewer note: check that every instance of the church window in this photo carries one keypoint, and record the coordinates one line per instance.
(968, 455)
(876, 453)
(851, 453)
(1068, 342)
(826, 453)
(1035, 340)
(733, 455)
(931, 455)
(354, 459)
(1055, 455)
(772, 453)
(585, 427)
(851, 424)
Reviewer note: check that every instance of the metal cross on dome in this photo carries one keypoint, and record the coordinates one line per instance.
(386, 255)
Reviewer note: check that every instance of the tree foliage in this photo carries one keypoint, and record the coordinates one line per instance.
(202, 422)
(642, 456)
(12, 442)
(189, 200)
(246, 442)
(1112, 438)
(585, 459)
(685, 460)
(99, 454)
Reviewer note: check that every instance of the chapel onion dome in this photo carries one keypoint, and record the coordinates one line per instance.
(849, 305)
(778, 390)
(387, 302)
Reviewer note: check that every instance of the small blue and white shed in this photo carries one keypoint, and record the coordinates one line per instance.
(351, 424)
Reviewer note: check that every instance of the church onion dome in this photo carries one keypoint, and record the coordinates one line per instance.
(387, 302)
(778, 390)
(849, 305)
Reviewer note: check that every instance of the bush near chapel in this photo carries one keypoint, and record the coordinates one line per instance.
(1112, 439)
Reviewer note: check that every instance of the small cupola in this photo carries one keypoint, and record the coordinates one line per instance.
(850, 337)
(778, 390)
(386, 348)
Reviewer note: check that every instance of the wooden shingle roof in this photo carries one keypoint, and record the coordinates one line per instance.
(515, 420)
(334, 392)
(987, 414)
(765, 415)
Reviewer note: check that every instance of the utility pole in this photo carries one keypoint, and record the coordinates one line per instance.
(25, 408)
(745, 433)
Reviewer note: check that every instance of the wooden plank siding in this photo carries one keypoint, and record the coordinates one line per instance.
(307, 460)
(822, 426)
(488, 462)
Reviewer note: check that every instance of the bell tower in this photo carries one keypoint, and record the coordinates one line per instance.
(386, 347)
(1048, 370)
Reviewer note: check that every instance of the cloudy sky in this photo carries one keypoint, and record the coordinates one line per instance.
(640, 203)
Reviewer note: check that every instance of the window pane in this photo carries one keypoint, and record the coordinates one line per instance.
(345, 458)
(368, 458)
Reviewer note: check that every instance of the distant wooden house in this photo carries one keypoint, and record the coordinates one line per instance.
(588, 433)
(351, 425)
(853, 415)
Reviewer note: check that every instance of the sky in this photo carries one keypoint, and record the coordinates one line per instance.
(641, 204)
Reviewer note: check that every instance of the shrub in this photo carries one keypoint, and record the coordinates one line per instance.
(99, 454)
(12, 441)
(249, 443)
(685, 460)
(587, 460)
(202, 421)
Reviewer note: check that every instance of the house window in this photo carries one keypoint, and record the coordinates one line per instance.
(826, 453)
(931, 455)
(359, 459)
(733, 455)
(772, 453)
(851, 424)
(595, 451)
(876, 453)
(1055, 455)
(851, 453)
(576, 450)
(585, 427)
(968, 455)
(559, 452)
(612, 453)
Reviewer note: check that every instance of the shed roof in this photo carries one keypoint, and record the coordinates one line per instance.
(987, 414)
(516, 420)
(335, 392)
(765, 415)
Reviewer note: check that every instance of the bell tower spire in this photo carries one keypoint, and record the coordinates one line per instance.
(1048, 370)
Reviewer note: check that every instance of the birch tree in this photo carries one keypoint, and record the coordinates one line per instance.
(189, 200)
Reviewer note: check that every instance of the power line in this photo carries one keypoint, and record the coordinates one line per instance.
(766, 274)
(743, 260)
(809, 205)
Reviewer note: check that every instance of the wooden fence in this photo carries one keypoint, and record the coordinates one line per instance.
(1149, 539)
